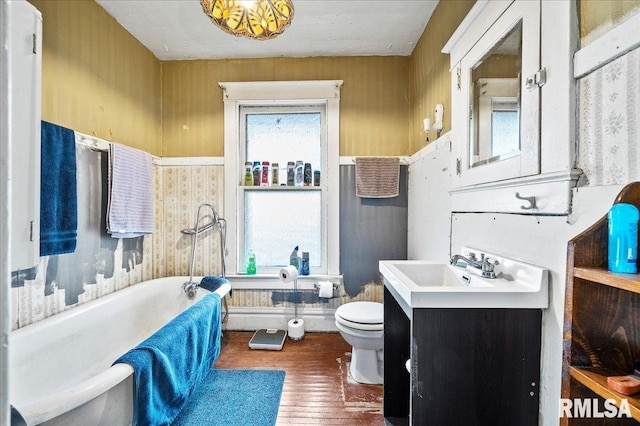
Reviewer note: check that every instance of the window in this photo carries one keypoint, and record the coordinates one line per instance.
(282, 122)
(278, 218)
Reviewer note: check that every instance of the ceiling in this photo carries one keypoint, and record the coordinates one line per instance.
(179, 29)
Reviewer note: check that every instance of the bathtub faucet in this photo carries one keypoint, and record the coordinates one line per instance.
(190, 288)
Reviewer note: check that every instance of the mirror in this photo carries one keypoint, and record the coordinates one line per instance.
(494, 101)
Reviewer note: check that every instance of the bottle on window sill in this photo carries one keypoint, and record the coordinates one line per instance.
(251, 262)
(304, 266)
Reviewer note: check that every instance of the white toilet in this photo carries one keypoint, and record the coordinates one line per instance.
(361, 325)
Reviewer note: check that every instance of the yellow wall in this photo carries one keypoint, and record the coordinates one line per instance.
(429, 76)
(599, 16)
(374, 104)
(97, 78)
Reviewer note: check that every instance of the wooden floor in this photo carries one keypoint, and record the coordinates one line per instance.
(317, 387)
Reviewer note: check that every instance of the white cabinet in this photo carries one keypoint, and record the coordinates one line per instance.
(499, 74)
(21, 113)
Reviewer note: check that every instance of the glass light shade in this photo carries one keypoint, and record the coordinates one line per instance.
(261, 19)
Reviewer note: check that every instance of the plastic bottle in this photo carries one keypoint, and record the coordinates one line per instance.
(256, 173)
(304, 267)
(293, 259)
(265, 174)
(308, 174)
(623, 238)
(248, 174)
(299, 174)
(275, 174)
(251, 262)
(290, 173)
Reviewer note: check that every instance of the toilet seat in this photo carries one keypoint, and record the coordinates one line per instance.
(361, 315)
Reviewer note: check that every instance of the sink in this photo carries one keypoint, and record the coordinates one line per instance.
(424, 284)
(425, 274)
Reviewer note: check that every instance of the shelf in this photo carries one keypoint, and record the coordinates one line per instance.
(628, 282)
(598, 384)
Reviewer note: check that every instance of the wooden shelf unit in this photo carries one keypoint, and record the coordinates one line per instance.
(628, 282)
(597, 383)
(602, 320)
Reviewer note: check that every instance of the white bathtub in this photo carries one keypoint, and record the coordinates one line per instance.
(61, 369)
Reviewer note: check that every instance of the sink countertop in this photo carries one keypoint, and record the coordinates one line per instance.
(424, 284)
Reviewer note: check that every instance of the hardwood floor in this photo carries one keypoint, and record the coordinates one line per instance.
(317, 387)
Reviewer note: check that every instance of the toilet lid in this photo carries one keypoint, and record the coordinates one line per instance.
(362, 312)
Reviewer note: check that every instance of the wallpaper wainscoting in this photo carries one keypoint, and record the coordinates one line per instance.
(182, 189)
(609, 149)
(306, 298)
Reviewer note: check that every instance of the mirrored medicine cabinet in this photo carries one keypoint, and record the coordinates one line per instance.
(495, 113)
(497, 77)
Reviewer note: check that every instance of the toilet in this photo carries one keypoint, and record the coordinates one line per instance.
(361, 325)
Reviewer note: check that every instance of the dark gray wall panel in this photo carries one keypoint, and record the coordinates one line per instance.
(371, 229)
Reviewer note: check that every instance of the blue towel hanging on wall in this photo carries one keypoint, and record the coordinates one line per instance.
(58, 191)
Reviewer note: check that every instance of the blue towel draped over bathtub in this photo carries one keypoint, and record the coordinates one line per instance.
(58, 190)
(170, 363)
(212, 283)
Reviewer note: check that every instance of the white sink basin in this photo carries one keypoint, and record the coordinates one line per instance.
(424, 284)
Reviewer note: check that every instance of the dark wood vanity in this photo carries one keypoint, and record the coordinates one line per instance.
(468, 366)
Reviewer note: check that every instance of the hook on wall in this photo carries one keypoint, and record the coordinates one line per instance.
(531, 200)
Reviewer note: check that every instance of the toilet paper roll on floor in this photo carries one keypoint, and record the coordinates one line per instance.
(288, 274)
(325, 289)
(296, 329)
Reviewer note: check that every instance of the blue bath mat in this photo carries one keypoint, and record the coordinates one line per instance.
(234, 397)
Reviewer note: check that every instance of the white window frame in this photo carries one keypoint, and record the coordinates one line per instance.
(281, 93)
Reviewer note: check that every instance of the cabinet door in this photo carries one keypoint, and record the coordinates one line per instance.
(24, 85)
(511, 115)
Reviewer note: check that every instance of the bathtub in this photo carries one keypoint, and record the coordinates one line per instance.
(61, 369)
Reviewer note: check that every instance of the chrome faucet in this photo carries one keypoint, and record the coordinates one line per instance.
(485, 265)
(190, 288)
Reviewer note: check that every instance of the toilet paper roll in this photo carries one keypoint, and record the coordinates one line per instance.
(296, 329)
(326, 289)
(288, 274)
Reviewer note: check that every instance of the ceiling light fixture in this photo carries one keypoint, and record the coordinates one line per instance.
(258, 19)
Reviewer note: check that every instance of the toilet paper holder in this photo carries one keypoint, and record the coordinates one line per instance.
(336, 287)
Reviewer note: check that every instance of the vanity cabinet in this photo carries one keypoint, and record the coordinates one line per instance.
(468, 366)
(602, 314)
